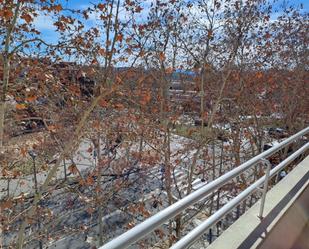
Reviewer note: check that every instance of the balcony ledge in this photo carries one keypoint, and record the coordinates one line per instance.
(286, 215)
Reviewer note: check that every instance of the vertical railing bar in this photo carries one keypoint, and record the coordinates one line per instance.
(150, 224)
(265, 187)
(197, 232)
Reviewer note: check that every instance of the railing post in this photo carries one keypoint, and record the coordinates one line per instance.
(141, 230)
(264, 190)
(210, 236)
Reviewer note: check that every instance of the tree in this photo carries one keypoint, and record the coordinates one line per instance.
(113, 96)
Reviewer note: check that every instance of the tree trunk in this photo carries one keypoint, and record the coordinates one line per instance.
(100, 211)
(168, 178)
(178, 226)
(6, 70)
(220, 173)
(213, 176)
(6, 73)
(202, 102)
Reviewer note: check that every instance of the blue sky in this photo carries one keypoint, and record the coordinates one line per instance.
(45, 24)
(296, 3)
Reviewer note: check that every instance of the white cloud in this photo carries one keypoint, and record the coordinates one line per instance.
(44, 22)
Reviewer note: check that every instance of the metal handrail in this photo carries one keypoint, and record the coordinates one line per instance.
(150, 224)
(197, 232)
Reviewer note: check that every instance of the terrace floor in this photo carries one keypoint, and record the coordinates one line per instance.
(303, 240)
(286, 217)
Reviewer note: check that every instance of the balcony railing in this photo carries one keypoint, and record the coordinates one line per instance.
(141, 230)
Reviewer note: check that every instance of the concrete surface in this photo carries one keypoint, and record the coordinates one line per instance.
(249, 231)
